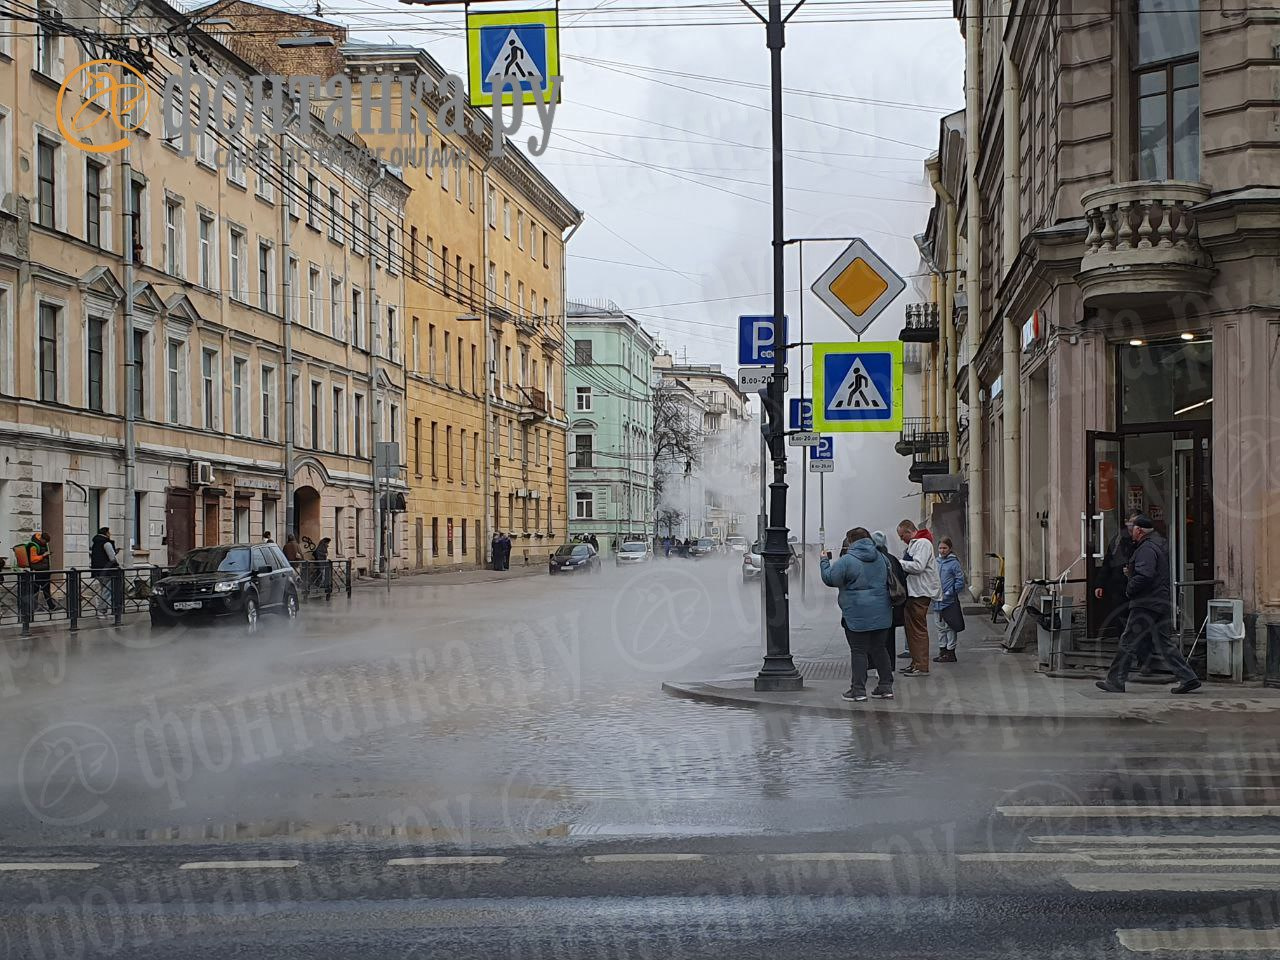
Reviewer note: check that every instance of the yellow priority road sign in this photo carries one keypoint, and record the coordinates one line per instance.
(857, 387)
(858, 286)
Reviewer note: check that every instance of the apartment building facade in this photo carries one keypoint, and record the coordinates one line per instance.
(610, 395)
(482, 323)
(1108, 294)
(171, 366)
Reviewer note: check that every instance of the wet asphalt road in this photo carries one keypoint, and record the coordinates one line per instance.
(521, 721)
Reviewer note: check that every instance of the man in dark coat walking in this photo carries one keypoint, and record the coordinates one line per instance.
(1146, 630)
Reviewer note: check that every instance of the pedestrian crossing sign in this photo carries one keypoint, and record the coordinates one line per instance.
(858, 386)
(522, 48)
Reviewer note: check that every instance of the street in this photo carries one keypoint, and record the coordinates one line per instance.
(490, 769)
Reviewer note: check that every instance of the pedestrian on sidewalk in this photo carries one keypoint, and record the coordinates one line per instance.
(1113, 578)
(861, 575)
(292, 552)
(947, 607)
(103, 562)
(40, 561)
(504, 552)
(899, 609)
(1147, 629)
(923, 587)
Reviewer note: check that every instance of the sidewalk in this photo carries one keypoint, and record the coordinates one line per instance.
(987, 682)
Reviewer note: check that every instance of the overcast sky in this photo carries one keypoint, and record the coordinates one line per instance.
(662, 139)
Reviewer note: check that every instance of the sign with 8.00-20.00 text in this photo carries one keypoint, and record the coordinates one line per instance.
(800, 422)
(822, 456)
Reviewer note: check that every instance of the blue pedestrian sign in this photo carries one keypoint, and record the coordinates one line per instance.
(822, 456)
(801, 414)
(858, 387)
(519, 49)
(756, 340)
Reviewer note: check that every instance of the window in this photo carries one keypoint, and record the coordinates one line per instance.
(392, 259)
(491, 281)
(290, 185)
(95, 367)
(471, 189)
(204, 144)
(357, 312)
(582, 451)
(357, 229)
(261, 165)
(491, 206)
(435, 536)
(46, 182)
(444, 167)
(431, 351)
(417, 446)
(291, 308)
(97, 509)
(414, 359)
(139, 512)
(357, 425)
(139, 373)
(313, 298)
(336, 303)
(582, 351)
(583, 505)
(173, 238)
(506, 365)
(174, 375)
(268, 382)
(335, 213)
(211, 389)
(239, 281)
(138, 217)
(448, 452)
(413, 253)
(506, 218)
(1167, 87)
(533, 244)
(462, 456)
(46, 45)
(208, 236)
(339, 419)
(475, 459)
(506, 290)
(316, 425)
(238, 365)
(457, 177)
(473, 369)
(434, 433)
(444, 268)
(431, 259)
(520, 228)
(393, 340)
(546, 258)
(264, 275)
(313, 202)
(457, 263)
(446, 358)
(520, 297)
(50, 320)
(583, 399)
(93, 202)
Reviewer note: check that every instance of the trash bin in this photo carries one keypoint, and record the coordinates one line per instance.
(1224, 639)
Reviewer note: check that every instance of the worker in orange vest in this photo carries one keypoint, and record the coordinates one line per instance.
(38, 560)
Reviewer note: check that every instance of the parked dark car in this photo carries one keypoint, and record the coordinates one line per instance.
(574, 558)
(239, 580)
(702, 547)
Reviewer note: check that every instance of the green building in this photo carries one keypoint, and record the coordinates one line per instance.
(609, 396)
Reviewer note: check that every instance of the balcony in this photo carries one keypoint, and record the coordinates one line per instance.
(921, 325)
(532, 403)
(911, 358)
(1143, 243)
(927, 449)
(525, 325)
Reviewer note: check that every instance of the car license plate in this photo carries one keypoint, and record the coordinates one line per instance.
(188, 605)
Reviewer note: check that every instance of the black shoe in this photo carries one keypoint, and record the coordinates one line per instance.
(853, 696)
(905, 655)
(1108, 686)
(913, 672)
(1186, 686)
(882, 694)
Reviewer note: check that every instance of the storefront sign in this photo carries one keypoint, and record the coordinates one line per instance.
(1032, 331)
(257, 483)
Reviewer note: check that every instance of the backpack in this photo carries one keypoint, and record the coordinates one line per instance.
(897, 589)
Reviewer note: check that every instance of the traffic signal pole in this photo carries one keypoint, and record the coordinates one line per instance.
(779, 670)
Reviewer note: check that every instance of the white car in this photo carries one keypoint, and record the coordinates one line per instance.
(736, 544)
(633, 551)
(753, 564)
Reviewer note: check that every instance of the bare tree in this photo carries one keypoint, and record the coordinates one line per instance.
(670, 518)
(677, 437)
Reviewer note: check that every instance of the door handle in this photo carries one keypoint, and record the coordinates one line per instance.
(1102, 552)
(1084, 536)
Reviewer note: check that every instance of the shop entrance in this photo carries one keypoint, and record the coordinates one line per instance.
(1159, 462)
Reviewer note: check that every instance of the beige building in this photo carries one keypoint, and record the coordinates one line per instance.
(483, 316)
(1108, 296)
(254, 318)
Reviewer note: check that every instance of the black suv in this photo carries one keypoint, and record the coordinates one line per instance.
(240, 580)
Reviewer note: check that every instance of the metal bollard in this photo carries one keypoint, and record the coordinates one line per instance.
(117, 595)
(348, 579)
(73, 598)
(26, 599)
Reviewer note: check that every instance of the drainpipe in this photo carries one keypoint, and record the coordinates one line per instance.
(947, 318)
(131, 364)
(490, 527)
(286, 379)
(973, 275)
(1012, 369)
(564, 346)
(383, 553)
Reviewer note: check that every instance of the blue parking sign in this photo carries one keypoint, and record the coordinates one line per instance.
(800, 414)
(825, 449)
(756, 340)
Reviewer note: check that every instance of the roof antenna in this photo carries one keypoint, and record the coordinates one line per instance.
(319, 13)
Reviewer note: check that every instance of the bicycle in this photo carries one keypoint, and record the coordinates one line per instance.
(995, 599)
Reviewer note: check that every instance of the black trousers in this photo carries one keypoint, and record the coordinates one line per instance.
(869, 645)
(1145, 633)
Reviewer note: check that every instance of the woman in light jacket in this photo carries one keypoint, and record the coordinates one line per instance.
(862, 575)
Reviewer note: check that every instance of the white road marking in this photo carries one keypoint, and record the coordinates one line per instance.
(1172, 882)
(1166, 854)
(444, 861)
(239, 865)
(801, 857)
(1166, 840)
(49, 865)
(1032, 857)
(643, 857)
(1036, 812)
(1200, 940)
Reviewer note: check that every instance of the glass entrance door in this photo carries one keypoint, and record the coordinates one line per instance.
(1100, 526)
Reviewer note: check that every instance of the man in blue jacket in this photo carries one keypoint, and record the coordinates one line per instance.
(1150, 609)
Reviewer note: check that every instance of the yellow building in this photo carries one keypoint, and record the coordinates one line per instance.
(483, 270)
(162, 315)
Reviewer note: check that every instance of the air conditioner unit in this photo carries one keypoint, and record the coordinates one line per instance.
(201, 473)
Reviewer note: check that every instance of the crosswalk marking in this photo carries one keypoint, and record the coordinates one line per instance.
(445, 861)
(1172, 882)
(1033, 856)
(1200, 940)
(239, 865)
(47, 865)
(1166, 811)
(1169, 840)
(865, 857)
(643, 857)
